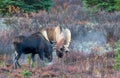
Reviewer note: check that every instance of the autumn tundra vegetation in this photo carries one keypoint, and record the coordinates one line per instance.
(85, 34)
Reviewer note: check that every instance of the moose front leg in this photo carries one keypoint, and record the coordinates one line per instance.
(41, 55)
(33, 60)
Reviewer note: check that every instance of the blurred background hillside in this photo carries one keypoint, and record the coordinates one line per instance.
(90, 29)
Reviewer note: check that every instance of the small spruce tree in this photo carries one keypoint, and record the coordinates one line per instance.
(24, 6)
(107, 5)
(117, 5)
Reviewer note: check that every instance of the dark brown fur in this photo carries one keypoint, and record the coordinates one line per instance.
(35, 44)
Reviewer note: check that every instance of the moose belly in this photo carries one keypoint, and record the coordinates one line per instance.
(28, 50)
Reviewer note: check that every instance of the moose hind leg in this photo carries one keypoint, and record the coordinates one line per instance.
(17, 56)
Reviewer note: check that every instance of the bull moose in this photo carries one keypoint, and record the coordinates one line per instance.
(35, 44)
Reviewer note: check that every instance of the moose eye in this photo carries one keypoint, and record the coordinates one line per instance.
(62, 49)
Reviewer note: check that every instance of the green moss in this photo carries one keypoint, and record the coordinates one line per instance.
(117, 58)
(26, 73)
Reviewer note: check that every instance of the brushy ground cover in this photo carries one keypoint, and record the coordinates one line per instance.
(74, 65)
